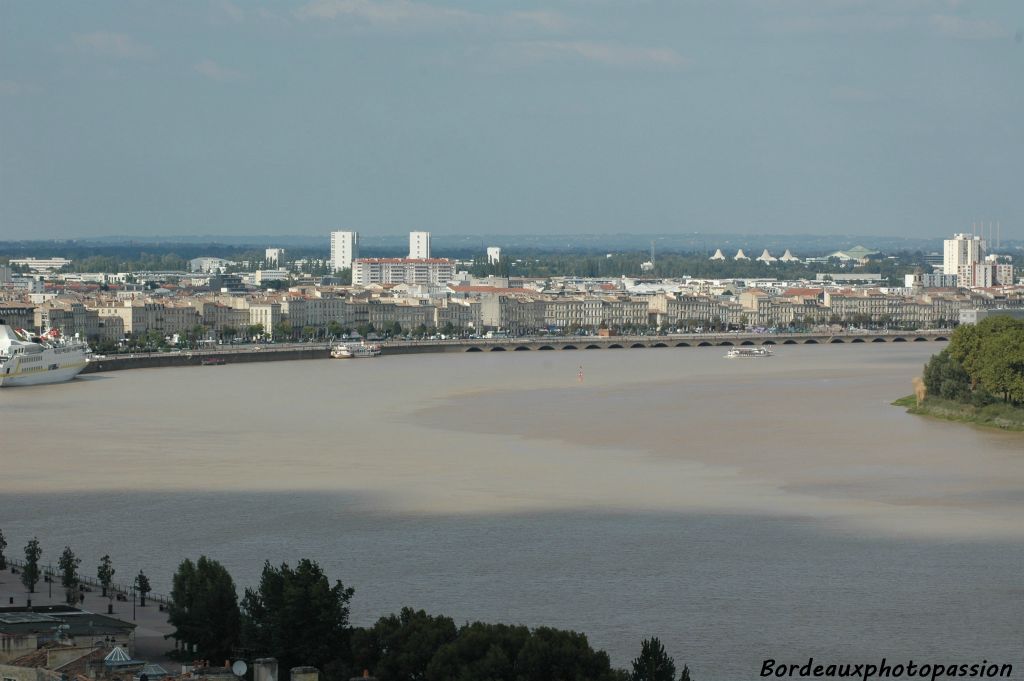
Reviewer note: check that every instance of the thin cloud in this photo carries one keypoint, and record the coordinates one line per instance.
(544, 19)
(109, 44)
(408, 14)
(9, 88)
(383, 12)
(852, 95)
(214, 71)
(609, 54)
(225, 9)
(967, 29)
(842, 24)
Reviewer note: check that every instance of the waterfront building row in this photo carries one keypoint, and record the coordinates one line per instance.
(111, 316)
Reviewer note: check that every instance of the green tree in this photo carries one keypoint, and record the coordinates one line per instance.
(105, 573)
(254, 330)
(401, 646)
(945, 378)
(501, 651)
(3, 545)
(68, 564)
(653, 664)
(283, 330)
(334, 328)
(1001, 366)
(557, 654)
(143, 587)
(204, 608)
(296, 616)
(685, 676)
(992, 354)
(30, 573)
(481, 651)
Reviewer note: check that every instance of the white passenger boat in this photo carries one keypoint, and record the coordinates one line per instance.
(763, 351)
(354, 351)
(51, 358)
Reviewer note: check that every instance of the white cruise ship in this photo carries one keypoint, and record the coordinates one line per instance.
(33, 361)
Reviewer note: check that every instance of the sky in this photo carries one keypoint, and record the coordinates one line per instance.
(562, 117)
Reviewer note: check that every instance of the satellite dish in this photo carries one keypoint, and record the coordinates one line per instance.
(239, 668)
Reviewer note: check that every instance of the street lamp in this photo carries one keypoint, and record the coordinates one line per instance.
(133, 602)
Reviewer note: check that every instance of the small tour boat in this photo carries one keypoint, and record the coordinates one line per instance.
(762, 351)
(354, 351)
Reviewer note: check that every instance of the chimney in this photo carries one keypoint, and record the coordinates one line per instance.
(305, 674)
(264, 669)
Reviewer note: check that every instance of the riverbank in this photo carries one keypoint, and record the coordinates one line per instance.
(999, 415)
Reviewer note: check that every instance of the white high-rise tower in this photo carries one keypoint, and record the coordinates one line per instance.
(961, 254)
(344, 249)
(419, 245)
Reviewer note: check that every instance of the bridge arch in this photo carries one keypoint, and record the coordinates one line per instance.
(569, 347)
(919, 339)
(789, 341)
(941, 338)
(638, 345)
(837, 340)
(768, 342)
(810, 341)
(520, 348)
(497, 348)
(473, 348)
(878, 340)
(857, 340)
(545, 347)
(616, 346)
(725, 343)
(899, 339)
(592, 347)
(747, 342)
(662, 345)
(684, 344)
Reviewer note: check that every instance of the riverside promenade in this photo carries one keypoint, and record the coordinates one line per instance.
(151, 622)
(291, 351)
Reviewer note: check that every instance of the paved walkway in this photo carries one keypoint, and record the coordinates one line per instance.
(151, 628)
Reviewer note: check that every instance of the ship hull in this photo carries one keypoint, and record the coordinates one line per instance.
(41, 377)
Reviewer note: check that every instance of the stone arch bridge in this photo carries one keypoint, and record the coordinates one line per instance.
(542, 343)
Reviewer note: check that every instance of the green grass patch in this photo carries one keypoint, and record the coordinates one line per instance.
(1000, 415)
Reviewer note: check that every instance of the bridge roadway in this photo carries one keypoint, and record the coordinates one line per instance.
(289, 351)
(668, 341)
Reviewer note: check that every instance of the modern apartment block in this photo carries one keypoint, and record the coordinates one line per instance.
(274, 256)
(419, 245)
(366, 271)
(961, 253)
(344, 249)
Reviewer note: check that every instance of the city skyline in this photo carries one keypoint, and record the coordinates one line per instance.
(304, 117)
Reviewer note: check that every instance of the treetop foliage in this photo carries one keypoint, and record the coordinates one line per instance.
(983, 362)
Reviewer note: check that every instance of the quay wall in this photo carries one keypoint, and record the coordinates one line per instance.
(172, 359)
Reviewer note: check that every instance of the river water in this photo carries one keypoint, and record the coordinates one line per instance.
(738, 509)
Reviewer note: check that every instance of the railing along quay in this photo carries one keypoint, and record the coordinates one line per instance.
(47, 572)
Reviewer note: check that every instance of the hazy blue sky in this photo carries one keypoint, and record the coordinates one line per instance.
(821, 116)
